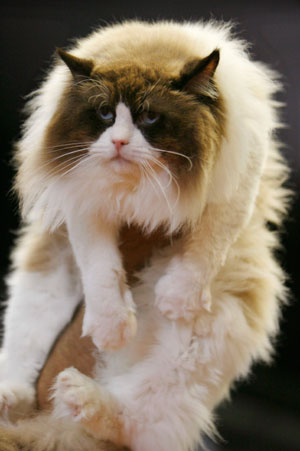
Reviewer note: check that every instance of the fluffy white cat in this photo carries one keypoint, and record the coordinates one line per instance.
(157, 125)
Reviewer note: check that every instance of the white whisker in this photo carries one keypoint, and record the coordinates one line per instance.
(69, 144)
(154, 160)
(172, 152)
(160, 187)
(62, 166)
(82, 160)
(148, 176)
(172, 178)
(164, 168)
(66, 154)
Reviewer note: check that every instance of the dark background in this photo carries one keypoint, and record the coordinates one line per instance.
(264, 413)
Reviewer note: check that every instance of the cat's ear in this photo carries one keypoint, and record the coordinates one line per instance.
(197, 76)
(78, 66)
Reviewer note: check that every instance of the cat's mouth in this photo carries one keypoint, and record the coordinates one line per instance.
(121, 162)
(121, 158)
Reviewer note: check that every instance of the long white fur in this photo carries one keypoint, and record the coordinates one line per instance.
(169, 378)
(40, 305)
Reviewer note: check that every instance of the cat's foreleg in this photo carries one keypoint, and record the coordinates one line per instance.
(184, 289)
(109, 308)
(44, 290)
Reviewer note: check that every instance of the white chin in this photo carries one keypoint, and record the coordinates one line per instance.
(121, 165)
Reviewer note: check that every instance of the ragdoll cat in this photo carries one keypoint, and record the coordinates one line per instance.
(157, 125)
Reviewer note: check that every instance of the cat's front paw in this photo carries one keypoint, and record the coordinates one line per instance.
(16, 400)
(110, 330)
(74, 395)
(181, 294)
(112, 324)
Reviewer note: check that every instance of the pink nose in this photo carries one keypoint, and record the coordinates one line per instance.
(119, 143)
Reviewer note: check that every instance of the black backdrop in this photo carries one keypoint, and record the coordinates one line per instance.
(264, 413)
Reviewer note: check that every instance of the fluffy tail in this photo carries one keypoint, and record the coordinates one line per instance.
(44, 433)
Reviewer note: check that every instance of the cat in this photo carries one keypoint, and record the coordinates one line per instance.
(167, 125)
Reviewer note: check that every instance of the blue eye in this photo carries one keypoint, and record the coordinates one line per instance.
(149, 118)
(105, 113)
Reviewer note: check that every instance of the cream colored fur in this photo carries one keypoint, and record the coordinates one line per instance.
(207, 307)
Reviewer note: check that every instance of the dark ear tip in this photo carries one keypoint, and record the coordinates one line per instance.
(78, 66)
(60, 53)
(198, 72)
(211, 62)
(215, 55)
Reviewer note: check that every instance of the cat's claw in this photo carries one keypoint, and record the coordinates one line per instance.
(180, 295)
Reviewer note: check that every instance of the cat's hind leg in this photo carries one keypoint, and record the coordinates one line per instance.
(44, 289)
(79, 397)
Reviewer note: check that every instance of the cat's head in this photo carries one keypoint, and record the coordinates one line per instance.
(132, 116)
(137, 124)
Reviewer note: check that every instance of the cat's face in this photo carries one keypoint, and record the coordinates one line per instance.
(136, 120)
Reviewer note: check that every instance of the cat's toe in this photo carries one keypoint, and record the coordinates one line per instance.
(111, 330)
(181, 297)
(74, 395)
(174, 307)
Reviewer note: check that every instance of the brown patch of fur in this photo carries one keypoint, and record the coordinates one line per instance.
(69, 131)
(137, 248)
(105, 425)
(8, 442)
(70, 350)
(39, 247)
